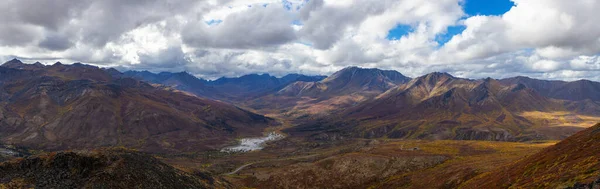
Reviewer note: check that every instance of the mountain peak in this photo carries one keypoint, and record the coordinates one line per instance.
(264, 76)
(439, 75)
(369, 79)
(13, 63)
(15, 60)
(352, 68)
(435, 77)
(363, 73)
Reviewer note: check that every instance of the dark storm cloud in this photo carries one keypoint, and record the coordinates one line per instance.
(16, 35)
(86, 21)
(50, 14)
(56, 42)
(253, 28)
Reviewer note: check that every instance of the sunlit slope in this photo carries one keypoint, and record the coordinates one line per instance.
(573, 160)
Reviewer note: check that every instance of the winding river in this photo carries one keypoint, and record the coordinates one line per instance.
(252, 144)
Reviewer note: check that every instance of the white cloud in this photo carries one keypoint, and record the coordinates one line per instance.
(583, 63)
(554, 39)
(545, 65)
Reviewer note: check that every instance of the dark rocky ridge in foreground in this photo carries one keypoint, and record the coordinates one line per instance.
(99, 169)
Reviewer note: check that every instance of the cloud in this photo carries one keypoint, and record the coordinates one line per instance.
(585, 63)
(254, 27)
(551, 39)
(13, 35)
(324, 24)
(556, 29)
(57, 42)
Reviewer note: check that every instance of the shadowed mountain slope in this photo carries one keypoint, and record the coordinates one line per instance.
(574, 91)
(181, 81)
(80, 106)
(252, 86)
(228, 89)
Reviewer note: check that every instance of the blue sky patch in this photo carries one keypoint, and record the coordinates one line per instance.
(451, 31)
(213, 22)
(487, 7)
(399, 31)
(287, 5)
(297, 23)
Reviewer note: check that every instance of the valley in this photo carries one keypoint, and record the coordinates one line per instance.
(364, 163)
(253, 144)
(300, 94)
(358, 128)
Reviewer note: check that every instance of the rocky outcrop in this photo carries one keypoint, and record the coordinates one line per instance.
(591, 185)
(99, 169)
(483, 134)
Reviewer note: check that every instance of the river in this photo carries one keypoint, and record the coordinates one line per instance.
(252, 144)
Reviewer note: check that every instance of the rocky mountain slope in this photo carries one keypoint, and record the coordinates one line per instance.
(81, 106)
(440, 106)
(99, 169)
(342, 89)
(573, 162)
(575, 91)
(251, 86)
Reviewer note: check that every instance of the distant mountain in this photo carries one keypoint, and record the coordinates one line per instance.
(440, 106)
(342, 89)
(346, 81)
(574, 91)
(181, 81)
(80, 106)
(296, 93)
(17, 64)
(100, 169)
(573, 162)
(251, 86)
(229, 89)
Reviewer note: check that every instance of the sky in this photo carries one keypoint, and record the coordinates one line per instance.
(546, 39)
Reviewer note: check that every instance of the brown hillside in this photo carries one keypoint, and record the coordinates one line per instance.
(569, 163)
(440, 106)
(80, 106)
(345, 88)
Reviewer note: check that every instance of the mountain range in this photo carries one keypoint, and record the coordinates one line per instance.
(138, 119)
(226, 89)
(441, 106)
(51, 106)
